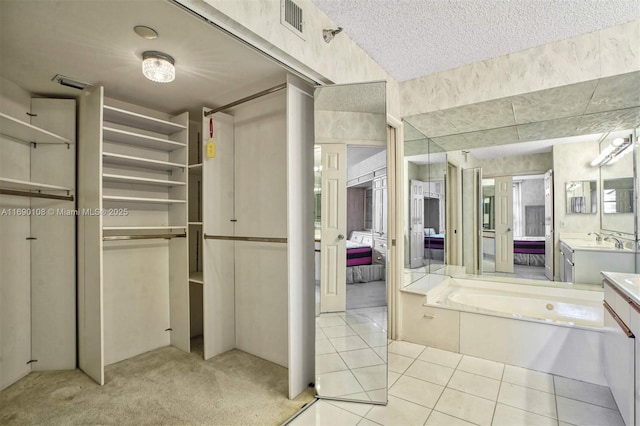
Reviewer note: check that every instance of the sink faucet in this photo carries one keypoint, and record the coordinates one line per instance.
(619, 244)
(598, 236)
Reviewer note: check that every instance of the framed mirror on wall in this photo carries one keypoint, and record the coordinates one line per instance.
(582, 197)
(351, 242)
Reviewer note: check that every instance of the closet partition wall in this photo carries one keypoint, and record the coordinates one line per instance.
(257, 223)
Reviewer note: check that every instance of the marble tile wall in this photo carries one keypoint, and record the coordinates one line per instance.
(351, 127)
(578, 59)
(516, 165)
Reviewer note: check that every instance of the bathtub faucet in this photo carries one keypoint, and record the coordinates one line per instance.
(598, 236)
(619, 244)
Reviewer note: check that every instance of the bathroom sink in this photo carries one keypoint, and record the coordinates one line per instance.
(578, 244)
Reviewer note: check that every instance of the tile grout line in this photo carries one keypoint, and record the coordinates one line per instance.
(555, 399)
(495, 407)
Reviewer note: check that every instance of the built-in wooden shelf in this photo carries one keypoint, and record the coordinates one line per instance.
(137, 139)
(17, 129)
(118, 199)
(23, 185)
(130, 161)
(195, 223)
(140, 121)
(108, 177)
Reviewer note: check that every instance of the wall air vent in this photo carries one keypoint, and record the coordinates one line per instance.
(291, 17)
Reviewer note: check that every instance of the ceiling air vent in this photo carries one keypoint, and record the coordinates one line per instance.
(291, 17)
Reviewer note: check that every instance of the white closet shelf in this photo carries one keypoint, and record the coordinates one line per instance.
(128, 160)
(195, 166)
(17, 129)
(140, 121)
(108, 177)
(131, 138)
(143, 228)
(195, 223)
(196, 277)
(23, 185)
(118, 199)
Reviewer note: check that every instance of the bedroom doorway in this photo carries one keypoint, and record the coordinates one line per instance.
(367, 214)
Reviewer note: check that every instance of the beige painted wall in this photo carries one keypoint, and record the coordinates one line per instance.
(341, 61)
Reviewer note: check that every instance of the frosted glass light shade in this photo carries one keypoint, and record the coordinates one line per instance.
(158, 67)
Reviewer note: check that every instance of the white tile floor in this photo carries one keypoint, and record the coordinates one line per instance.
(351, 353)
(429, 386)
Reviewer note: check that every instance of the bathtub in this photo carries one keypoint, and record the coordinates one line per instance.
(553, 329)
(562, 306)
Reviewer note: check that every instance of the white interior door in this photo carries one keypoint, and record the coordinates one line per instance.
(333, 261)
(504, 224)
(549, 254)
(416, 247)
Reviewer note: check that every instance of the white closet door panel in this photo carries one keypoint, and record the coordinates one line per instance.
(300, 235)
(53, 276)
(260, 167)
(15, 311)
(218, 255)
(136, 298)
(89, 190)
(219, 297)
(217, 177)
(261, 300)
(179, 294)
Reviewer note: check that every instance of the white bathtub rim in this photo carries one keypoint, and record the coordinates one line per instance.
(441, 290)
(516, 317)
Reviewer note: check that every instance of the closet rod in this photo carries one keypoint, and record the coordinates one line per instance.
(35, 195)
(252, 239)
(141, 237)
(247, 99)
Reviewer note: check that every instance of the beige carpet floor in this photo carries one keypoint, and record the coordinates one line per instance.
(162, 387)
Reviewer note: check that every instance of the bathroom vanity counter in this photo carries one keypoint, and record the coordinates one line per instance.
(621, 343)
(581, 260)
(591, 245)
(628, 284)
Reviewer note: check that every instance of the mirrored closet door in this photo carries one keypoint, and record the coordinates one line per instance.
(351, 242)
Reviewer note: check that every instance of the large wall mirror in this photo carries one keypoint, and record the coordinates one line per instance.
(537, 154)
(617, 183)
(351, 242)
(424, 189)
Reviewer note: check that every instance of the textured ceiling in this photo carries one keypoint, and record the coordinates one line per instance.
(413, 38)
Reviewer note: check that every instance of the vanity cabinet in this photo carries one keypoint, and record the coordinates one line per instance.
(620, 346)
(582, 264)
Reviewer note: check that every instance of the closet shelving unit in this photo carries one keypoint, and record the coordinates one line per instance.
(21, 131)
(195, 209)
(37, 182)
(133, 291)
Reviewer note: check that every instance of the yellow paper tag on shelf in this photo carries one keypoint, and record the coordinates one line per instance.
(211, 149)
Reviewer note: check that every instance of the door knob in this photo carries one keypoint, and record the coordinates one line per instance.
(508, 229)
(341, 237)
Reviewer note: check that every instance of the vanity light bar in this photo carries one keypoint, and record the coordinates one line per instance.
(612, 153)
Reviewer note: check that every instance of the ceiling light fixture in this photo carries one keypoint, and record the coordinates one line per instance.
(328, 35)
(158, 66)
